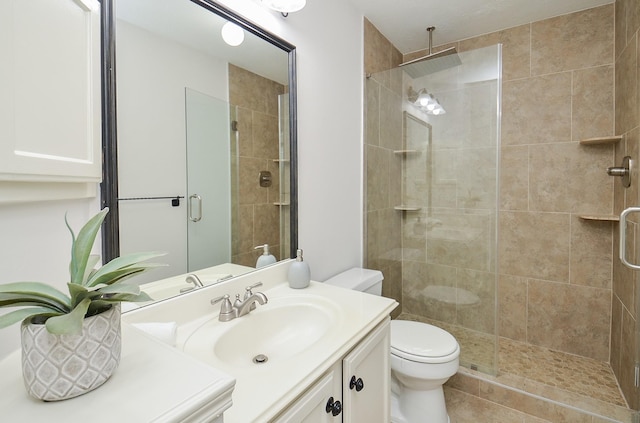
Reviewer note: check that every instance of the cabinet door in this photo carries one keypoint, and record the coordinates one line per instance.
(312, 406)
(366, 378)
(50, 124)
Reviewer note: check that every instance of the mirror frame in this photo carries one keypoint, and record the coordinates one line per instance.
(109, 185)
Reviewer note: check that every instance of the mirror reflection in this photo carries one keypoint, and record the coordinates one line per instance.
(203, 140)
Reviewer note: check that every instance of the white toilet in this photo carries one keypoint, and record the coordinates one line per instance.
(423, 358)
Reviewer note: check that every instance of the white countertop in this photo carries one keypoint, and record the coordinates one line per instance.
(263, 391)
(153, 383)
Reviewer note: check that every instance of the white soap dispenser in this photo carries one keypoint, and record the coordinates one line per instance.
(266, 258)
(299, 273)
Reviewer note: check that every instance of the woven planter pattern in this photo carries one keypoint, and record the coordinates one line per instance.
(59, 367)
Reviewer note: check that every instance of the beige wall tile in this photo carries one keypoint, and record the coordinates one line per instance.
(392, 285)
(245, 131)
(267, 227)
(627, 88)
(516, 51)
(390, 120)
(616, 335)
(372, 112)
(623, 277)
(534, 245)
(592, 109)
(373, 239)
(416, 278)
(558, 44)
(537, 110)
(569, 318)
(514, 178)
(478, 316)
(591, 253)
(265, 136)
(620, 25)
(628, 359)
(379, 54)
(569, 177)
(512, 303)
(250, 191)
(377, 178)
(632, 149)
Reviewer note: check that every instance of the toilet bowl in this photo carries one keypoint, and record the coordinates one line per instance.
(423, 357)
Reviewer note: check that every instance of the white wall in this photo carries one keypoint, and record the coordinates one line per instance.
(36, 246)
(328, 36)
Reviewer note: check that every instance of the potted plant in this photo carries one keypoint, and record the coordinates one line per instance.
(71, 343)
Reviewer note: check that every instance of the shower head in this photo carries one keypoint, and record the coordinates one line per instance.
(432, 62)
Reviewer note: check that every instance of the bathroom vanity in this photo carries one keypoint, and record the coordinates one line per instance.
(307, 355)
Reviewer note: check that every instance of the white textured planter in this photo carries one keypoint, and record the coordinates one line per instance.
(59, 367)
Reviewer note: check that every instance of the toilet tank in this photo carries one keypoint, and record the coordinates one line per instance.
(364, 280)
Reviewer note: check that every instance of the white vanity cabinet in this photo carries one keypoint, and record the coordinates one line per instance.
(360, 382)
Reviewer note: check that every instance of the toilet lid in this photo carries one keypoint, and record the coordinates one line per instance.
(421, 342)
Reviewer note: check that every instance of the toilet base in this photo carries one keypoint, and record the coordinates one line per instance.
(398, 417)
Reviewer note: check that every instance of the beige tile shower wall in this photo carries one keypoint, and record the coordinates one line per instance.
(255, 219)
(555, 269)
(383, 134)
(625, 281)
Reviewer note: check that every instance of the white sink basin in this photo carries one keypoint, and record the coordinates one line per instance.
(269, 335)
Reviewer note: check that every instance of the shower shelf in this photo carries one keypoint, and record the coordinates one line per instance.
(601, 217)
(601, 140)
(407, 208)
(406, 152)
(281, 204)
(280, 160)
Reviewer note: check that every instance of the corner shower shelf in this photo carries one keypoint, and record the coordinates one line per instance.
(601, 140)
(280, 160)
(281, 204)
(601, 217)
(406, 152)
(407, 208)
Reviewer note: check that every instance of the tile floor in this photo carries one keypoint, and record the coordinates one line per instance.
(578, 382)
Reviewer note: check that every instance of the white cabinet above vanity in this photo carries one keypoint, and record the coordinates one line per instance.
(50, 99)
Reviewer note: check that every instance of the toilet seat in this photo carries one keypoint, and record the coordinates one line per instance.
(422, 342)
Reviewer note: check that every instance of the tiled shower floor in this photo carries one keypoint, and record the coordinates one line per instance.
(581, 382)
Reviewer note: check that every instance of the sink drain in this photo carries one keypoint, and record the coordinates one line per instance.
(260, 358)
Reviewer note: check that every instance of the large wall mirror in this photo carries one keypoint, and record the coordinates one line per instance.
(199, 140)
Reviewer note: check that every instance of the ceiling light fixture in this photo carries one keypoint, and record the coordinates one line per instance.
(232, 34)
(426, 101)
(284, 6)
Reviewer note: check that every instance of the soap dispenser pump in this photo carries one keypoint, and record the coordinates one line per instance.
(266, 258)
(299, 273)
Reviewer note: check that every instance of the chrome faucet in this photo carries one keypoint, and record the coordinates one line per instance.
(239, 308)
(195, 280)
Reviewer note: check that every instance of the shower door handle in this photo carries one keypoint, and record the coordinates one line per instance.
(199, 207)
(623, 237)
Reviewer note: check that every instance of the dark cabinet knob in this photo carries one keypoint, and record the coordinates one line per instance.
(356, 383)
(333, 407)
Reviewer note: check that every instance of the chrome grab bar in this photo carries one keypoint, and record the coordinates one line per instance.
(191, 198)
(623, 237)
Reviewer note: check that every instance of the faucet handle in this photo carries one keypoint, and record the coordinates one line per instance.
(227, 312)
(226, 306)
(248, 292)
(237, 303)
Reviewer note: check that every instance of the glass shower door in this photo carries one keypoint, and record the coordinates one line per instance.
(208, 181)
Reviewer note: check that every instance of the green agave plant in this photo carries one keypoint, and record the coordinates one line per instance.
(91, 291)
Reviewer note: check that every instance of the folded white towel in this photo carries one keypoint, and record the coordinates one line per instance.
(167, 332)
